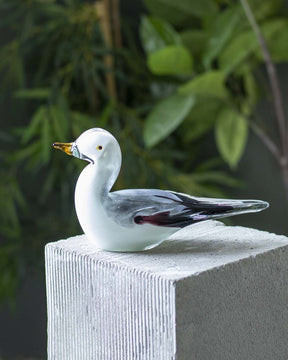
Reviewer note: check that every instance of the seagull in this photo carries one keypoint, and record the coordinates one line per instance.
(134, 219)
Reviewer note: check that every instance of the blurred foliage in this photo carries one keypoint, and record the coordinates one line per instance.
(210, 57)
(200, 72)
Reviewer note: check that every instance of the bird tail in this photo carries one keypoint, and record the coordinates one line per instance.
(221, 208)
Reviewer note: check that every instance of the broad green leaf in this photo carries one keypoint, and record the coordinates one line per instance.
(39, 93)
(276, 35)
(207, 84)
(194, 40)
(221, 31)
(231, 135)
(171, 60)
(195, 127)
(178, 12)
(251, 88)
(244, 44)
(156, 34)
(237, 50)
(201, 118)
(166, 116)
(263, 9)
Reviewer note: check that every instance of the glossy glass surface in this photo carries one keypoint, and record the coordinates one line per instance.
(134, 219)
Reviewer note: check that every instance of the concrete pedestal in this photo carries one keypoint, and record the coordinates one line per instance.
(210, 292)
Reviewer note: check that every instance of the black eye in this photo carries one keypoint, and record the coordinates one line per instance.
(99, 147)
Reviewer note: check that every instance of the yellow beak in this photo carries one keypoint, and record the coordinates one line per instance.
(66, 147)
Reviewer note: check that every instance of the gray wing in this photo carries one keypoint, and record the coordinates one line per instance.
(162, 208)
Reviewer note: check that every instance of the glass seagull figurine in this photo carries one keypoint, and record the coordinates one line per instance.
(134, 219)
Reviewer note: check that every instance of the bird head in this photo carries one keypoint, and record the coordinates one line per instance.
(93, 145)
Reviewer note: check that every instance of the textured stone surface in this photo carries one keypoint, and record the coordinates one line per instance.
(209, 292)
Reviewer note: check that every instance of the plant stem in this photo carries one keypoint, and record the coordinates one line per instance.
(272, 74)
(267, 141)
(103, 10)
(116, 23)
(281, 155)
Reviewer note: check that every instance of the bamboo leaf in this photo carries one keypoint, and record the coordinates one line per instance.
(39, 93)
(33, 128)
(81, 122)
(218, 177)
(46, 140)
(26, 153)
(102, 121)
(60, 122)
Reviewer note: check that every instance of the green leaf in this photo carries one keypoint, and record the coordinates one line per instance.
(105, 115)
(60, 122)
(187, 183)
(46, 140)
(171, 60)
(177, 12)
(237, 50)
(81, 122)
(156, 34)
(219, 177)
(251, 88)
(194, 40)
(210, 83)
(195, 128)
(209, 165)
(201, 118)
(231, 135)
(276, 36)
(27, 152)
(263, 9)
(166, 116)
(221, 31)
(33, 128)
(39, 93)
(244, 44)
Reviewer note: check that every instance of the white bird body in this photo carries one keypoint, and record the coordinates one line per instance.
(101, 229)
(134, 219)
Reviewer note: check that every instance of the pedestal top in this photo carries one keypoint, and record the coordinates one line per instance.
(190, 251)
